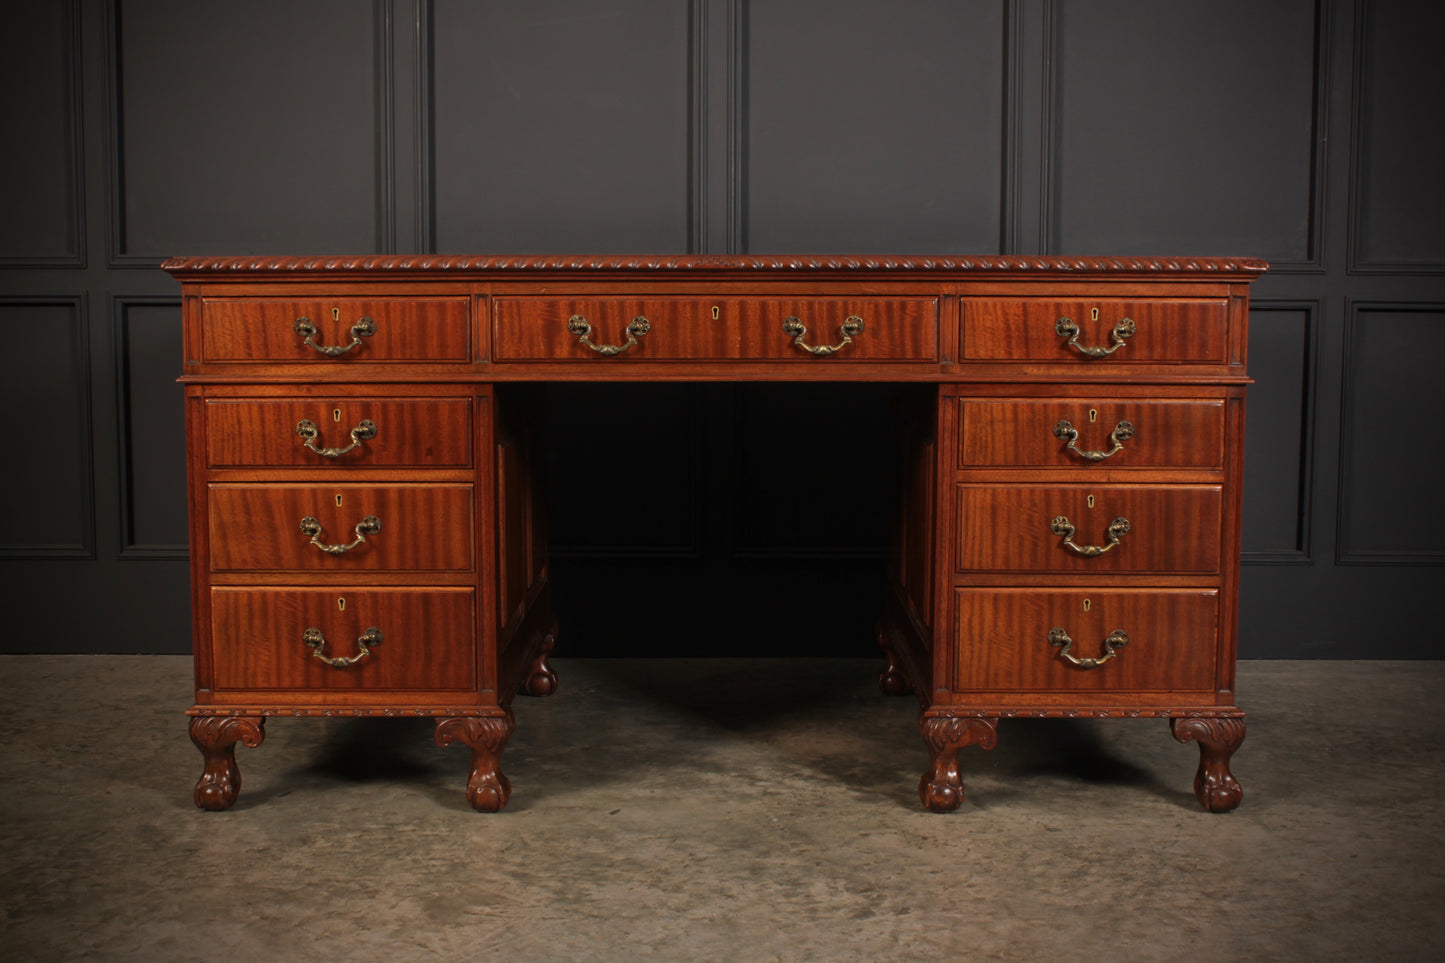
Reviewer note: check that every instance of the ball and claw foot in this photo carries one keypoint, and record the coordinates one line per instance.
(487, 788)
(891, 681)
(1214, 785)
(216, 737)
(540, 679)
(941, 788)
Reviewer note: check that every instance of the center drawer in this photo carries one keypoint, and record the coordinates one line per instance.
(1158, 529)
(422, 638)
(695, 329)
(369, 528)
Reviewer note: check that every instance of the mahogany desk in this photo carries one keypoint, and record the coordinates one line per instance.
(368, 537)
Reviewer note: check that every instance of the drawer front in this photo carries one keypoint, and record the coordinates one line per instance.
(1003, 641)
(683, 329)
(400, 329)
(1132, 331)
(1111, 433)
(342, 432)
(417, 528)
(259, 641)
(1171, 529)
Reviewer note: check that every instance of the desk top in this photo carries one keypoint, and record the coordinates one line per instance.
(820, 265)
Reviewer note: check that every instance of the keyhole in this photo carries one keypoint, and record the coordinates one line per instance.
(1090, 500)
(341, 605)
(1093, 415)
(338, 500)
(336, 314)
(1094, 315)
(715, 312)
(336, 414)
(1087, 603)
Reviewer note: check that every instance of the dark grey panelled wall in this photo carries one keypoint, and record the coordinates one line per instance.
(1303, 131)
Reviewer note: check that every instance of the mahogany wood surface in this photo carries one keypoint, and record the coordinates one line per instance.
(408, 432)
(409, 329)
(1173, 529)
(1023, 330)
(456, 579)
(1161, 434)
(423, 527)
(685, 329)
(1002, 637)
(427, 638)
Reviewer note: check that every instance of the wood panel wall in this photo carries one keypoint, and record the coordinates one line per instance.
(1302, 131)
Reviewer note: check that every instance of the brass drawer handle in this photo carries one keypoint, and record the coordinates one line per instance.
(1115, 641)
(851, 325)
(582, 328)
(1066, 328)
(369, 525)
(1122, 432)
(364, 328)
(306, 428)
(1062, 527)
(316, 642)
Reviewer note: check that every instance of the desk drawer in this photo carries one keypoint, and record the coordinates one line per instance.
(351, 330)
(1109, 432)
(259, 640)
(341, 432)
(1167, 529)
(684, 329)
(394, 528)
(1130, 331)
(1003, 639)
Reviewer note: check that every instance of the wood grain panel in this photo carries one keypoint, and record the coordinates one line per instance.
(1002, 639)
(430, 433)
(264, 329)
(423, 527)
(1024, 330)
(426, 643)
(1019, 433)
(1173, 528)
(894, 329)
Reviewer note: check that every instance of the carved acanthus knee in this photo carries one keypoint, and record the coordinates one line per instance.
(216, 737)
(487, 788)
(941, 788)
(1214, 785)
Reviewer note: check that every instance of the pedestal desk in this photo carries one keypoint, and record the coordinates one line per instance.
(368, 531)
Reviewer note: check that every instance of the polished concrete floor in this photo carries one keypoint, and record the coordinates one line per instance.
(721, 810)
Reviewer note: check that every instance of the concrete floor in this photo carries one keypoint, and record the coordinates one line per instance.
(721, 810)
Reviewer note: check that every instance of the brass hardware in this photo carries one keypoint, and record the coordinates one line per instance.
(851, 325)
(1122, 432)
(1115, 641)
(341, 604)
(1089, 501)
(370, 525)
(1094, 314)
(582, 328)
(316, 642)
(336, 414)
(338, 499)
(716, 311)
(1093, 415)
(1087, 603)
(306, 428)
(1066, 328)
(363, 328)
(1062, 527)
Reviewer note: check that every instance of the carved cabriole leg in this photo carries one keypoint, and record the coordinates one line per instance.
(216, 737)
(540, 679)
(941, 788)
(1214, 786)
(487, 789)
(891, 680)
